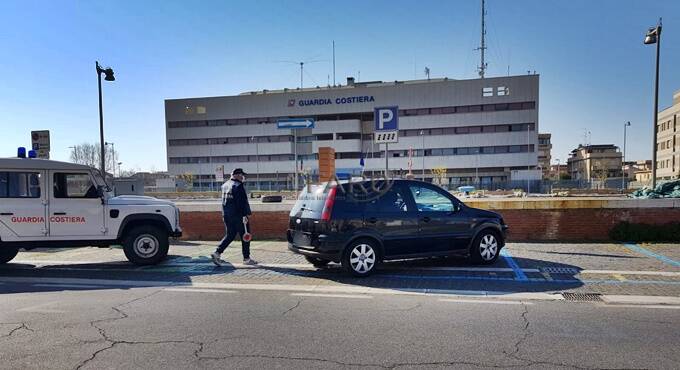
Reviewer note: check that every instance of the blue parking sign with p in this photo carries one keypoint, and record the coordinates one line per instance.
(386, 118)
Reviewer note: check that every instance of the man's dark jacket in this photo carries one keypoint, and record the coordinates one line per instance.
(234, 200)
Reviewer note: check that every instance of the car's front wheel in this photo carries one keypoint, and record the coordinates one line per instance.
(361, 257)
(7, 254)
(485, 248)
(146, 245)
(317, 262)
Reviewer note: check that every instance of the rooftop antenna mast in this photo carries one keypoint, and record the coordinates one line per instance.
(482, 47)
(333, 62)
(302, 66)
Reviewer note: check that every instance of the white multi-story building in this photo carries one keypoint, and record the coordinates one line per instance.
(668, 141)
(479, 130)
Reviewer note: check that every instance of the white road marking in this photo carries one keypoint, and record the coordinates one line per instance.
(350, 296)
(621, 300)
(624, 272)
(194, 290)
(40, 308)
(68, 286)
(640, 306)
(484, 301)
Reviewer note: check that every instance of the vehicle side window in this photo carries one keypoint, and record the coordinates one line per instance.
(19, 185)
(430, 200)
(390, 202)
(74, 185)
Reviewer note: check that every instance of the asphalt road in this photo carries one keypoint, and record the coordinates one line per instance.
(88, 308)
(174, 327)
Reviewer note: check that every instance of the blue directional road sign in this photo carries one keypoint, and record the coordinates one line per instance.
(295, 123)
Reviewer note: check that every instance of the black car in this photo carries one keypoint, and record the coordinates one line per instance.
(362, 223)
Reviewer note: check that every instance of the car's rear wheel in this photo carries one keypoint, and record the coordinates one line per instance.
(485, 248)
(361, 257)
(317, 262)
(7, 254)
(146, 245)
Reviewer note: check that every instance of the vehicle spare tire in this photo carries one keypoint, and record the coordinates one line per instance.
(272, 199)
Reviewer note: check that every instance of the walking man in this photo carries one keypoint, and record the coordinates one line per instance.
(235, 211)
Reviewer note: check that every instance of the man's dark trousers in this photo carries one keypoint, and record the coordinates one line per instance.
(234, 225)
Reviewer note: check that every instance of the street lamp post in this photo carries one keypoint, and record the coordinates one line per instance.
(623, 162)
(119, 164)
(257, 161)
(113, 157)
(422, 135)
(108, 72)
(653, 36)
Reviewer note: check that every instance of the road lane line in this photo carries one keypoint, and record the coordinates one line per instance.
(646, 306)
(483, 301)
(630, 272)
(301, 266)
(639, 249)
(83, 286)
(619, 277)
(199, 290)
(320, 295)
(519, 274)
(39, 308)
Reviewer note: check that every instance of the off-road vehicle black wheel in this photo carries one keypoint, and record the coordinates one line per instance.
(146, 245)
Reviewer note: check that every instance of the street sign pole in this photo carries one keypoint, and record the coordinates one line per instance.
(387, 162)
(386, 130)
(295, 181)
(294, 124)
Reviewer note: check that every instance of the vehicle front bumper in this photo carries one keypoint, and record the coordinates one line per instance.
(176, 233)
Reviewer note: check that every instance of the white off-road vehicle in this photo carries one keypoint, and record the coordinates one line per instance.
(46, 203)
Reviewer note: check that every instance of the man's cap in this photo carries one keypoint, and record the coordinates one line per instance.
(238, 171)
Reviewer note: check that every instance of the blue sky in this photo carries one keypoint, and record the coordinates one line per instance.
(595, 72)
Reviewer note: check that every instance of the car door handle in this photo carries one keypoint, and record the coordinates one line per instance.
(425, 219)
(59, 213)
(372, 220)
(7, 214)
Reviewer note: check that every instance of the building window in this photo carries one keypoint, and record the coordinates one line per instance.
(19, 185)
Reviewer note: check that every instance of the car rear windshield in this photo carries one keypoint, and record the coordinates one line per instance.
(349, 198)
(310, 202)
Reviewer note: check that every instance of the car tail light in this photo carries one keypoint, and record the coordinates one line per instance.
(328, 206)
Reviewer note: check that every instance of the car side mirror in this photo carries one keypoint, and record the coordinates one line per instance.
(101, 190)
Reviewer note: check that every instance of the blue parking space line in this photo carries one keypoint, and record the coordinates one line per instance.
(639, 249)
(519, 274)
(529, 280)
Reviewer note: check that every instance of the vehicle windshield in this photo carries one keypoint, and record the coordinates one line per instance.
(99, 179)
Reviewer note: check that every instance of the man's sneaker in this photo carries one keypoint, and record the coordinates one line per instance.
(216, 258)
(249, 262)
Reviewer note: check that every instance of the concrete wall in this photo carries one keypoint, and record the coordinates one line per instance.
(574, 219)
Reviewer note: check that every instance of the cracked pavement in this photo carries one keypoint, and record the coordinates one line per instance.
(156, 328)
(53, 323)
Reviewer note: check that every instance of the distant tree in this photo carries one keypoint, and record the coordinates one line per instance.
(90, 154)
(188, 180)
(440, 174)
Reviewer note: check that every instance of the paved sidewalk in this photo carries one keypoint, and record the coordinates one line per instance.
(616, 269)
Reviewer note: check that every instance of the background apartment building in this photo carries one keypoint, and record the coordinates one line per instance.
(479, 130)
(544, 156)
(595, 162)
(668, 141)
